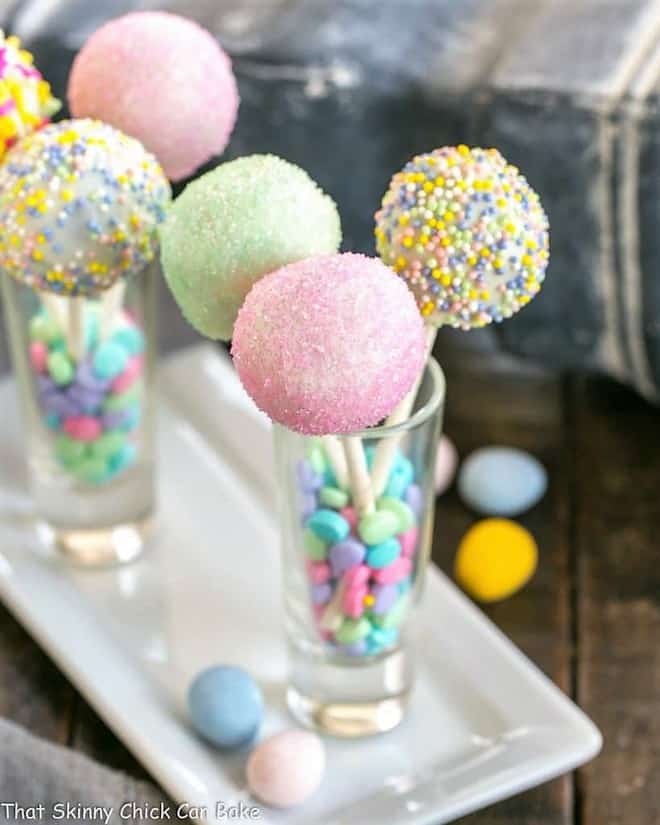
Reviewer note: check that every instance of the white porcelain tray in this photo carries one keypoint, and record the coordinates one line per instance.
(484, 723)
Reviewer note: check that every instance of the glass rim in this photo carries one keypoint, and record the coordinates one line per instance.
(419, 417)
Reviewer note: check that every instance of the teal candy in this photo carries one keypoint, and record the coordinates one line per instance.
(333, 497)
(395, 615)
(329, 526)
(52, 421)
(91, 330)
(378, 527)
(329, 477)
(383, 554)
(380, 639)
(132, 419)
(370, 452)
(115, 403)
(129, 338)
(402, 475)
(400, 509)
(352, 630)
(123, 459)
(60, 368)
(42, 328)
(226, 706)
(110, 360)
(405, 585)
(314, 546)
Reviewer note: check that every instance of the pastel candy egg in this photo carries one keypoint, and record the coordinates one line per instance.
(86, 399)
(404, 515)
(501, 481)
(393, 573)
(60, 368)
(308, 478)
(130, 338)
(316, 457)
(39, 356)
(118, 419)
(42, 328)
(401, 476)
(414, 498)
(346, 554)
(318, 572)
(226, 706)
(495, 558)
(68, 450)
(108, 444)
(333, 497)
(57, 403)
(356, 576)
(52, 421)
(307, 504)
(385, 595)
(86, 377)
(91, 470)
(408, 541)
(82, 427)
(329, 526)
(286, 769)
(129, 376)
(123, 459)
(321, 593)
(378, 526)
(395, 615)
(379, 639)
(314, 545)
(380, 555)
(109, 360)
(124, 399)
(355, 649)
(351, 516)
(352, 630)
(445, 465)
(353, 601)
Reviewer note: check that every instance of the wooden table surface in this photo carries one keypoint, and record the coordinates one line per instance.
(590, 618)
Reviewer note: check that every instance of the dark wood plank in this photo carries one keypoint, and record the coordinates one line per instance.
(33, 692)
(618, 483)
(497, 404)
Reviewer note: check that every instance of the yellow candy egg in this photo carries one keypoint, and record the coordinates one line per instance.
(496, 557)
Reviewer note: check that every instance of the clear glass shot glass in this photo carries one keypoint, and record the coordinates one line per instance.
(352, 581)
(84, 372)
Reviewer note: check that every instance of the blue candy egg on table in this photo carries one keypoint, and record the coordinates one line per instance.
(226, 706)
(501, 481)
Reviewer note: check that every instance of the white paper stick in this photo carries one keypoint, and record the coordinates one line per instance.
(337, 459)
(333, 615)
(75, 332)
(111, 302)
(358, 473)
(386, 449)
(56, 308)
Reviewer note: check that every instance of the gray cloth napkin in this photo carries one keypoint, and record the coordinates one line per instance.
(34, 772)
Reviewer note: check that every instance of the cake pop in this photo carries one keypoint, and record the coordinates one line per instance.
(161, 79)
(329, 344)
(79, 206)
(467, 233)
(235, 224)
(26, 101)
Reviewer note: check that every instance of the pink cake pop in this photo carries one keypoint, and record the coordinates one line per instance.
(329, 344)
(162, 79)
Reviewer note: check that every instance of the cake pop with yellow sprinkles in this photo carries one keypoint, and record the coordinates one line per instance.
(467, 232)
(26, 102)
(79, 206)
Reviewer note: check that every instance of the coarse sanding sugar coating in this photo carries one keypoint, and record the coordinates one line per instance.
(467, 233)
(234, 225)
(329, 344)
(79, 206)
(163, 80)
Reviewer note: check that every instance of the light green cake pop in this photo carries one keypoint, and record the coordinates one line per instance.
(234, 225)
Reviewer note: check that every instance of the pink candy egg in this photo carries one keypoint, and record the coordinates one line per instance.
(39, 356)
(393, 573)
(287, 768)
(162, 79)
(329, 344)
(82, 427)
(351, 516)
(353, 601)
(408, 542)
(318, 572)
(129, 376)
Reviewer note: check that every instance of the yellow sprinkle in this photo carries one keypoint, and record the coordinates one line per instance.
(485, 295)
(498, 263)
(66, 195)
(37, 255)
(473, 294)
(510, 227)
(485, 253)
(437, 274)
(532, 245)
(472, 260)
(448, 216)
(403, 220)
(439, 181)
(401, 261)
(432, 223)
(445, 242)
(501, 202)
(463, 149)
(427, 308)
(440, 224)
(527, 260)
(41, 238)
(369, 600)
(407, 242)
(446, 280)
(428, 186)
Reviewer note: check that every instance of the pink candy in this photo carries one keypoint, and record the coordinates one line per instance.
(356, 576)
(393, 573)
(351, 516)
(129, 376)
(408, 542)
(353, 601)
(39, 356)
(318, 572)
(82, 427)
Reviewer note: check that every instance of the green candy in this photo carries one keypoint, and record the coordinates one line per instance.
(400, 510)
(314, 546)
(69, 451)
(333, 497)
(124, 400)
(60, 368)
(43, 328)
(378, 527)
(316, 457)
(91, 470)
(352, 630)
(233, 225)
(109, 444)
(394, 615)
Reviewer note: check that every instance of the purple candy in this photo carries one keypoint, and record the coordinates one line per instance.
(306, 504)
(58, 404)
(355, 649)
(321, 593)
(414, 499)
(86, 377)
(346, 554)
(87, 399)
(308, 480)
(385, 595)
(114, 419)
(46, 385)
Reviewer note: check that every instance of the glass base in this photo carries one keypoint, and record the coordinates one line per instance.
(348, 720)
(101, 547)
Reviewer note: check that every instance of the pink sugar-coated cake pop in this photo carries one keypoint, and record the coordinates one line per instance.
(329, 344)
(162, 79)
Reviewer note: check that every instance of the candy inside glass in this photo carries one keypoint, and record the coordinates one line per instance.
(86, 400)
(351, 583)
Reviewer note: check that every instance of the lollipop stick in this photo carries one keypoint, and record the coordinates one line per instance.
(358, 472)
(337, 459)
(54, 308)
(387, 448)
(332, 617)
(75, 331)
(111, 302)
